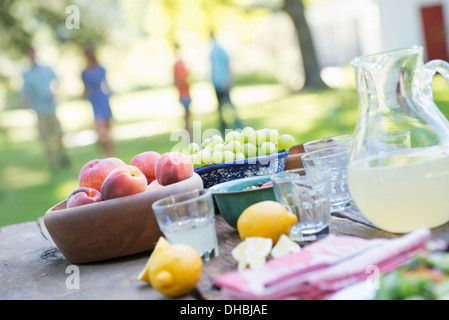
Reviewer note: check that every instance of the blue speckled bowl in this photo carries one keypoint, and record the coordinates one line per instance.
(227, 171)
(232, 198)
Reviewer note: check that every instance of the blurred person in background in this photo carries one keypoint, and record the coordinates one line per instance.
(37, 95)
(181, 75)
(222, 81)
(98, 92)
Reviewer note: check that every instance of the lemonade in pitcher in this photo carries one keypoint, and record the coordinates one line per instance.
(400, 182)
(403, 191)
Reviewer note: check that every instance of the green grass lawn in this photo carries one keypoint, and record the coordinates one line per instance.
(144, 121)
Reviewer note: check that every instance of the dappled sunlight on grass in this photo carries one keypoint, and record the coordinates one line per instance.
(64, 189)
(80, 138)
(75, 115)
(17, 118)
(258, 94)
(17, 177)
(147, 104)
(19, 125)
(142, 129)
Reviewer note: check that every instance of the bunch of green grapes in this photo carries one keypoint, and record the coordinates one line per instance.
(239, 145)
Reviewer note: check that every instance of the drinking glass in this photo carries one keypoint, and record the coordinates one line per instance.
(341, 140)
(336, 159)
(305, 193)
(189, 218)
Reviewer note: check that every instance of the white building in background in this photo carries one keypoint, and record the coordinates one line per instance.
(343, 29)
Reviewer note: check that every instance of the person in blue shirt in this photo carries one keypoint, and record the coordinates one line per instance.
(222, 80)
(97, 92)
(37, 95)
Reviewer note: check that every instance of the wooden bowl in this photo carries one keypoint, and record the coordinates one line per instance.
(111, 228)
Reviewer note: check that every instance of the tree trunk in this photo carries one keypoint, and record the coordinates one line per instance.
(295, 9)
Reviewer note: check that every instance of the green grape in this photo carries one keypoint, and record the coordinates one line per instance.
(239, 156)
(209, 148)
(245, 135)
(257, 137)
(285, 141)
(268, 148)
(195, 160)
(232, 136)
(249, 150)
(219, 147)
(217, 157)
(205, 156)
(273, 136)
(194, 148)
(205, 142)
(228, 156)
(214, 140)
(234, 146)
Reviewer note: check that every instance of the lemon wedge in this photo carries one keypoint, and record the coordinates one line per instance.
(284, 246)
(260, 245)
(238, 253)
(257, 250)
(161, 243)
(254, 259)
(252, 252)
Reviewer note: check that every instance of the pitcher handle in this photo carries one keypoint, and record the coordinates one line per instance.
(431, 68)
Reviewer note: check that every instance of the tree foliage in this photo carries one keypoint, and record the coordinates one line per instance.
(21, 21)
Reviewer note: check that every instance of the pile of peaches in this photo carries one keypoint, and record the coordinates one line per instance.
(109, 178)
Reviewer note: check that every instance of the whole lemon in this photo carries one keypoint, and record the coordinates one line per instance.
(175, 270)
(268, 219)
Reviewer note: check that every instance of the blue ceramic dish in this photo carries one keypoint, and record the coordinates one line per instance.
(233, 198)
(227, 171)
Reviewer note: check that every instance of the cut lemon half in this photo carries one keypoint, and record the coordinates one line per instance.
(161, 244)
(284, 246)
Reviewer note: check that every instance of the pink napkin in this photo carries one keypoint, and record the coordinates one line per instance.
(322, 268)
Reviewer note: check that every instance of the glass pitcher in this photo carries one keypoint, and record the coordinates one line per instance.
(398, 172)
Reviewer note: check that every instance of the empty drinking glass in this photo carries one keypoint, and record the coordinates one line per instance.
(305, 193)
(336, 159)
(342, 140)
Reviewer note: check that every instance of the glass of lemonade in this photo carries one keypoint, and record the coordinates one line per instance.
(189, 218)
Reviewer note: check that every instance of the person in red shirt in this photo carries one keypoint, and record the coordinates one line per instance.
(181, 75)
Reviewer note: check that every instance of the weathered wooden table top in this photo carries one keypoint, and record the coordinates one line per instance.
(31, 266)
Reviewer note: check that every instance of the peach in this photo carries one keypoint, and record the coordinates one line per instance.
(154, 185)
(146, 162)
(123, 181)
(94, 172)
(82, 196)
(173, 167)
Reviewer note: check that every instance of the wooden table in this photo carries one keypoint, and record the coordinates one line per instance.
(31, 266)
